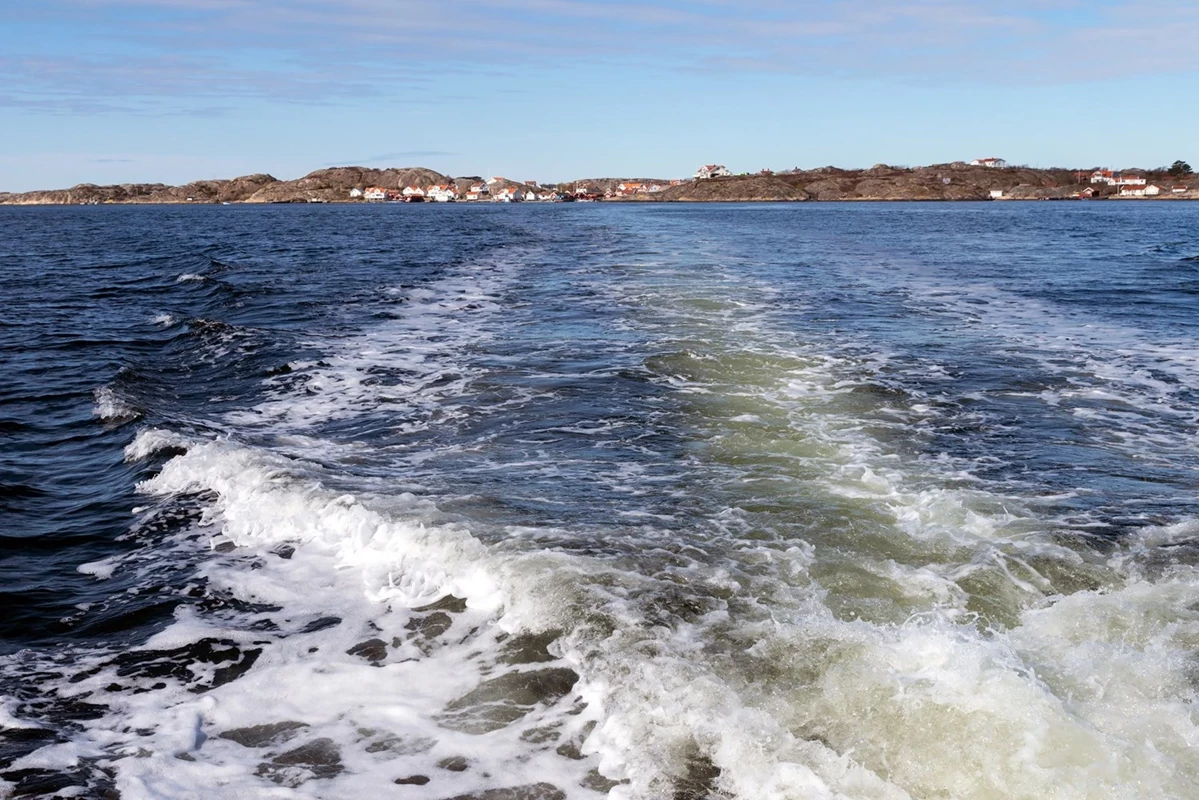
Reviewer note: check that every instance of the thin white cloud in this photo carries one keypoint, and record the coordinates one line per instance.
(326, 50)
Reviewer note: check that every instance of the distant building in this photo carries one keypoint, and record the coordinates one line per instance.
(413, 191)
(712, 171)
(1179, 189)
(1116, 179)
(442, 193)
(996, 194)
(1138, 190)
(355, 193)
(375, 193)
(993, 163)
(627, 188)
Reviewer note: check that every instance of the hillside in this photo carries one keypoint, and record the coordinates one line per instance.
(332, 184)
(750, 188)
(880, 182)
(214, 191)
(956, 181)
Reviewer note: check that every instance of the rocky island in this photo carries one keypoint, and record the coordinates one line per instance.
(939, 182)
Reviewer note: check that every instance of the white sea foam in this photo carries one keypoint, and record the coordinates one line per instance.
(154, 440)
(787, 700)
(101, 570)
(112, 407)
(412, 365)
(190, 277)
(164, 320)
(1132, 386)
(861, 622)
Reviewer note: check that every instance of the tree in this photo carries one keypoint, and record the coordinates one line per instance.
(1179, 168)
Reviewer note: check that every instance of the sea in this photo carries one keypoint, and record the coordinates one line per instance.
(861, 501)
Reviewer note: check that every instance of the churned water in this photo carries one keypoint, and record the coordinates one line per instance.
(870, 501)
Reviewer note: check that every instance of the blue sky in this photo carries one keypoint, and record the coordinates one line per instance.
(109, 91)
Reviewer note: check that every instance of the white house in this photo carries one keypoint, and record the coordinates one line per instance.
(1152, 191)
(993, 163)
(1116, 179)
(997, 194)
(629, 187)
(495, 180)
(712, 171)
(413, 191)
(442, 193)
(1134, 190)
(375, 193)
(355, 193)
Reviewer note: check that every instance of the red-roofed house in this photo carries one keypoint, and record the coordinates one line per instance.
(712, 171)
(442, 193)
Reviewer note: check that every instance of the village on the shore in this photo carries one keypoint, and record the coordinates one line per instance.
(1130, 184)
(501, 190)
(979, 179)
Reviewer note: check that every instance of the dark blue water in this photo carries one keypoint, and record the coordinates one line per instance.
(837, 471)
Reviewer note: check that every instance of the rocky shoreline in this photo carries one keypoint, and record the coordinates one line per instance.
(942, 182)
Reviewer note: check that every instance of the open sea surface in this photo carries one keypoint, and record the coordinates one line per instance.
(795, 502)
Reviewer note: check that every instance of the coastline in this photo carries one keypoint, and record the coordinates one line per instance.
(954, 182)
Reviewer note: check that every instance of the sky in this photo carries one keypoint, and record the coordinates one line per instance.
(112, 91)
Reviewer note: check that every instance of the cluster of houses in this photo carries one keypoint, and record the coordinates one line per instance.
(448, 193)
(502, 190)
(497, 189)
(630, 188)
(1116, 179)
(1129, 185)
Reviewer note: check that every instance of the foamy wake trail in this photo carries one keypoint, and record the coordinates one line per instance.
(1131, 386)
(413, 366)
(363, 644)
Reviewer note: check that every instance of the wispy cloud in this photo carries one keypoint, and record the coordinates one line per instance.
(328, 51)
